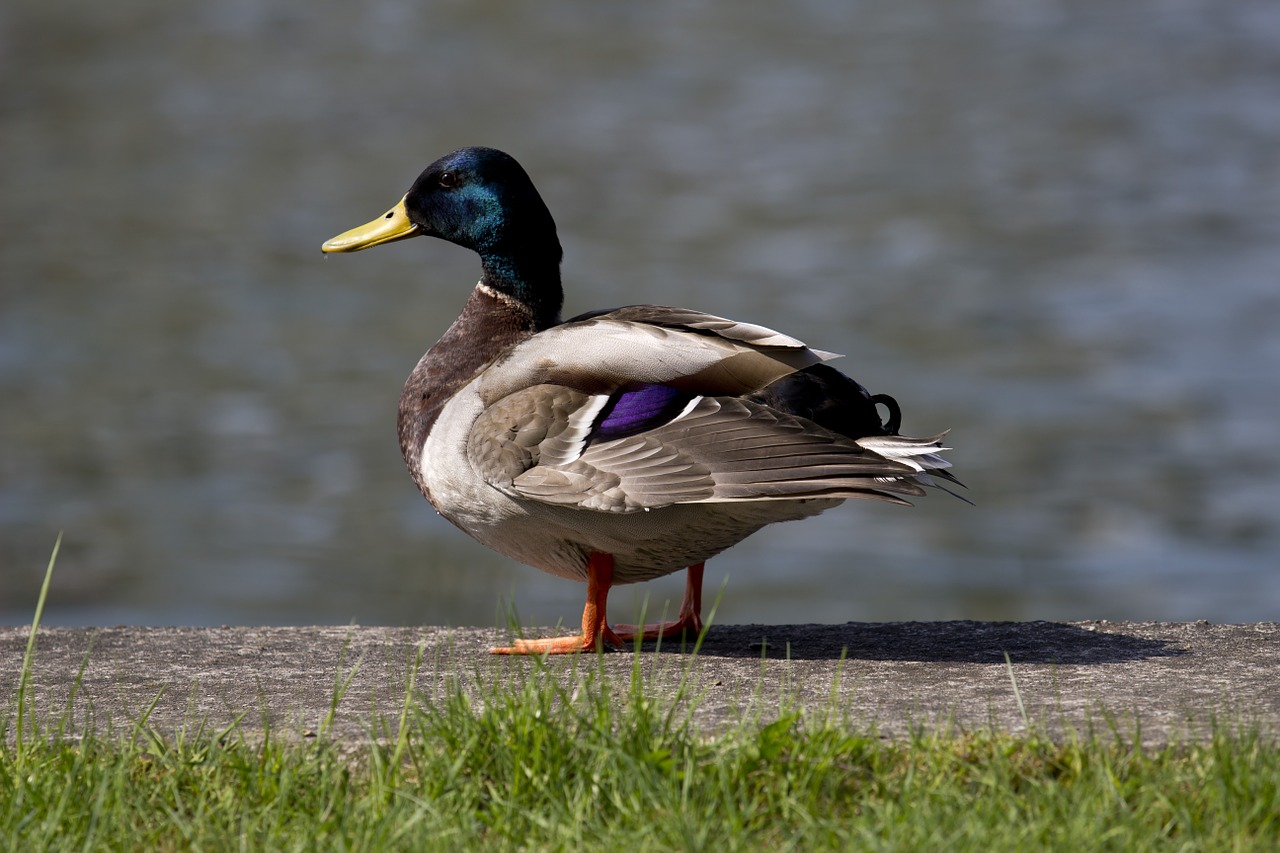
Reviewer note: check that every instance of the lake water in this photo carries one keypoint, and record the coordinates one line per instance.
(1053, 227)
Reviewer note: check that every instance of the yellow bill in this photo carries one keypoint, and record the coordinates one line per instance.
(392, 226)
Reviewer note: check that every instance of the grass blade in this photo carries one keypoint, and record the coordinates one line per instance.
(24, 680)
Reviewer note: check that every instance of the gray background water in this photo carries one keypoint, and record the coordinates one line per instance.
(1051, 226)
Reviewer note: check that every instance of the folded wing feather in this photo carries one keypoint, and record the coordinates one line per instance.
(638, 408)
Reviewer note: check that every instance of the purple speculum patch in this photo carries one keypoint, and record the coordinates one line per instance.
(638, 409)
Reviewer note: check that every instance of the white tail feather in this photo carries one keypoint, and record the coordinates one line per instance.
(920, 454)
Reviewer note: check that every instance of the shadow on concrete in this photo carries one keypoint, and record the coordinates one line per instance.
(936, 642)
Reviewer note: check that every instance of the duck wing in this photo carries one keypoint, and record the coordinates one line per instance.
(645, 407)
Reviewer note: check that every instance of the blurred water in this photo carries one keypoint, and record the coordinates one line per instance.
(1051, 226)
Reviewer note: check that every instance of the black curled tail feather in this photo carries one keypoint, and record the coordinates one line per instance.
(894, 423)
(832, 400)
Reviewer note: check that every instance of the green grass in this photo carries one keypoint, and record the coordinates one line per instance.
(543, 766)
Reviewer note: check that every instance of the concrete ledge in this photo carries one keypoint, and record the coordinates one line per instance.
(1160, 681)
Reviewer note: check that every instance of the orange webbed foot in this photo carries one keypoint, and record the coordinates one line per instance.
(607, 640)
(595, 625)
(663, 630)
(689, 622)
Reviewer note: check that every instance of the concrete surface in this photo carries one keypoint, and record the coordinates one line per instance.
(1160, 681)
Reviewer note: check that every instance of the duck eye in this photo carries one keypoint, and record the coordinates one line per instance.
(448, 179)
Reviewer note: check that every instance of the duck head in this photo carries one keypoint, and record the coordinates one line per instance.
(483, 200)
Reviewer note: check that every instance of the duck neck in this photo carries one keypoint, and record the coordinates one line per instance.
(528, 272)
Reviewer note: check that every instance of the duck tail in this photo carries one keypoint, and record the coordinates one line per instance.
(921, 454)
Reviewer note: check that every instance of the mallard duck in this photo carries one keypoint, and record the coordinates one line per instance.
(620, 445)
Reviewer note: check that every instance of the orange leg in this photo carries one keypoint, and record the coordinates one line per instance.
(689, 623)
(595, 625)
